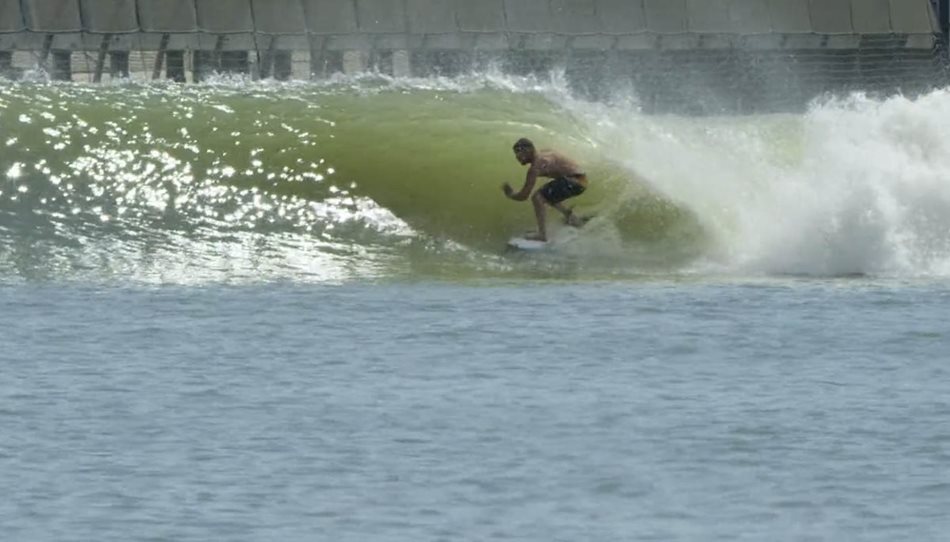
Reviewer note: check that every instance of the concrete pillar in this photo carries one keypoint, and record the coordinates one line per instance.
(282, 65)
(355, 61)
(175, 66)
(205, 64)
(209, 62)
(529, 62)
(446, 63)
(324, 62)
(62, 67)
(6, 63)
(119, 64)
(235, 62)
(381, 61)
(301, 67)
(402, 67)
(22, 58)
(943, 16)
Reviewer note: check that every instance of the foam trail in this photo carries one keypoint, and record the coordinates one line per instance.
(854, 186)
(872, 194)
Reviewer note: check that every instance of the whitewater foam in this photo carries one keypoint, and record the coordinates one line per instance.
(856, 185)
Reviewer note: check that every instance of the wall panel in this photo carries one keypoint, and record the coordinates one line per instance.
(278, 16)
(11, 16)
(330, 17)
(666, 16)
(172, 16)
(109, 16)
(50, 16)
(225, 16)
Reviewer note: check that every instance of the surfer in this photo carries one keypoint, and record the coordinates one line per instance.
(567, 181)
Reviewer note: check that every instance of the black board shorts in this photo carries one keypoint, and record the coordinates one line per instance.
(562, 188)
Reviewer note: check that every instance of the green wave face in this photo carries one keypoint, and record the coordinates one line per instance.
(365, 179)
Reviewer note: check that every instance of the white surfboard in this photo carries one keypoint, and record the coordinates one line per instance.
(521, 243)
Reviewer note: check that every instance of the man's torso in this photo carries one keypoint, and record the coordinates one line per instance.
(553, 165)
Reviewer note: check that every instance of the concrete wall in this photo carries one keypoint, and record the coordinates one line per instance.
(471, 24)
(684, 55)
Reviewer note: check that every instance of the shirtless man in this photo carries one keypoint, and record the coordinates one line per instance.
(569, 181)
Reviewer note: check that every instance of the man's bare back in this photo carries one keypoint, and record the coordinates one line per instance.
(552, 164)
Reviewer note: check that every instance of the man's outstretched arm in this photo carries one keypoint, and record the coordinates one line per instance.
(521, 195)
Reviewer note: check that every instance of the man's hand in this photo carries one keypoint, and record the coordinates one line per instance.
(507, 189)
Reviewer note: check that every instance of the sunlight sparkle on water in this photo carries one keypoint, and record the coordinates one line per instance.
(15, 171)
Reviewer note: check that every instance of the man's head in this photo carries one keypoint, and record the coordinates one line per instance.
(524, 151)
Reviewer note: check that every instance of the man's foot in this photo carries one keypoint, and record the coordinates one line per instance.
(535, 236)
(572, 219)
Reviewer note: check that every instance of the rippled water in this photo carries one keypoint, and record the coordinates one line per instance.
(656, 410)
(260, 311)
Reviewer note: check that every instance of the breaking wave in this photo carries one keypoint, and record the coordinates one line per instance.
(380, 178)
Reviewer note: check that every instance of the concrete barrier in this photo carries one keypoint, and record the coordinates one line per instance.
(621, 17)
(168, 16)
(666, 16)
(831, 16)
(53, 16)
(431, 17)
(577, 17)
(381, 17)
(264, 37)
(567, 17)
(443, 17)
(324, 17)
(279, 17)
(871, 17)
(790, 16)
(709, 16)
(750, 17)
(912, 17)
(224, 16)
(11, 17)
(109, 16)
(482, 16)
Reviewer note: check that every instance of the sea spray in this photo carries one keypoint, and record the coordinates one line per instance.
(855, 186)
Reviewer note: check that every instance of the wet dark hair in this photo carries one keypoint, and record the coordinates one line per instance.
(523, 144)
